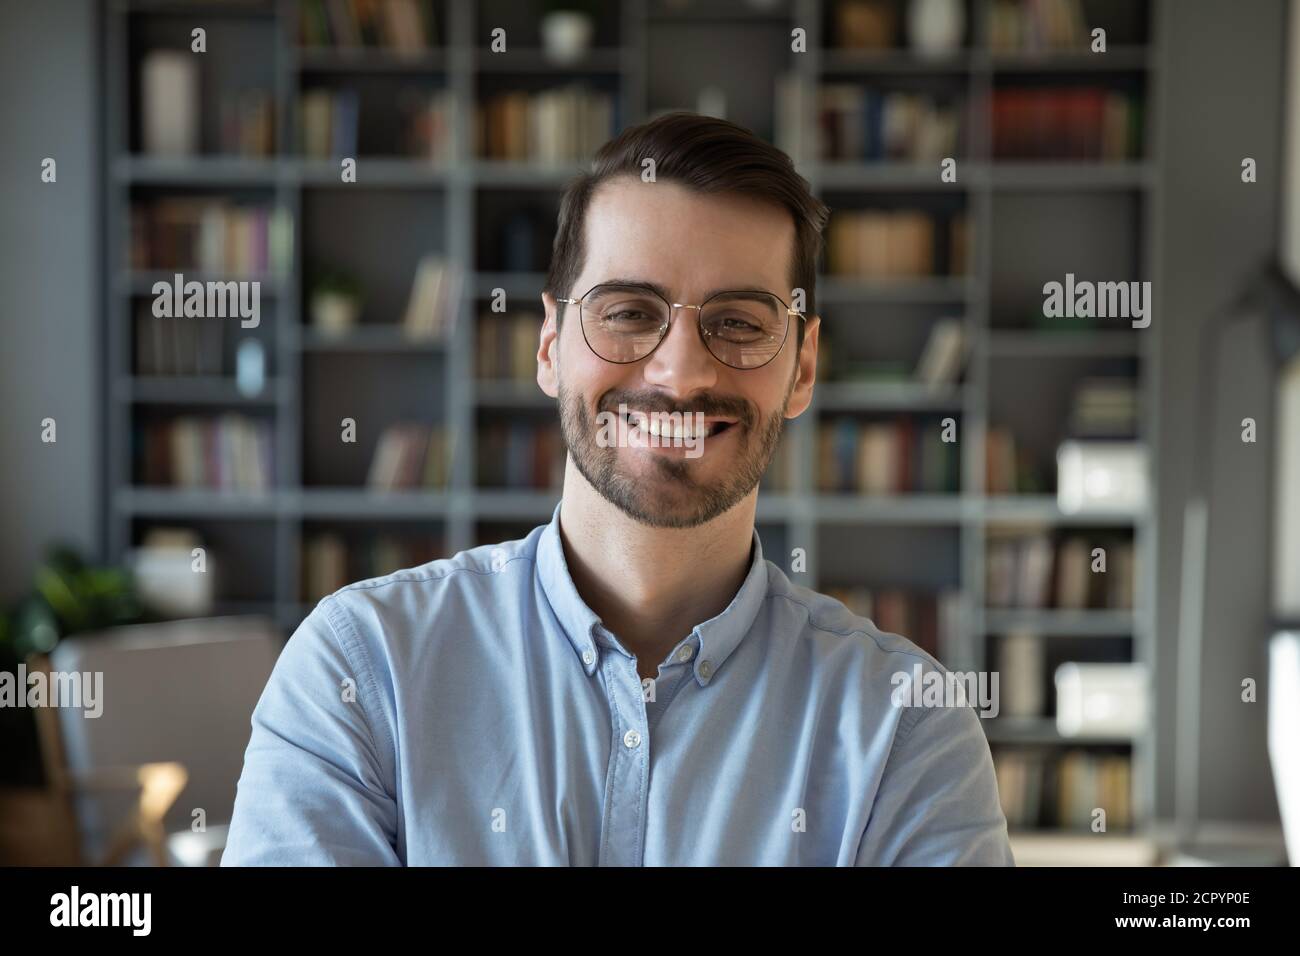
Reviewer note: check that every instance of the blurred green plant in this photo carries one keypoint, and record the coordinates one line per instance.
(330, 279)
(68, 596)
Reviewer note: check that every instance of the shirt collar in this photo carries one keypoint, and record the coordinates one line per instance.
(712, 641)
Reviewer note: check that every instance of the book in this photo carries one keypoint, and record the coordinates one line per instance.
(169, 103)
(941, 358)
(434, 300)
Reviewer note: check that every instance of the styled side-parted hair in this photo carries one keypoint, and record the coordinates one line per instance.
(707, 155)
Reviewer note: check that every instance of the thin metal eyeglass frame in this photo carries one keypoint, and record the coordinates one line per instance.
(699, 325)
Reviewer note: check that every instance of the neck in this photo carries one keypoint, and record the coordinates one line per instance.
(652, 586)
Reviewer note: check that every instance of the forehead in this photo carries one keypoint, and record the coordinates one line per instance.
(691, 242)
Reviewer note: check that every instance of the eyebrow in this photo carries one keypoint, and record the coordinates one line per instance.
(662, 291)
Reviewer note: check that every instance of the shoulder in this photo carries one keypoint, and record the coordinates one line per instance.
(447, 595)
(830, 625)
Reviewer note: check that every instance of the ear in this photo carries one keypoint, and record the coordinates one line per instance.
(806, 369)
(548, 373)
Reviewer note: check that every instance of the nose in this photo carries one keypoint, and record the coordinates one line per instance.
(682, 365)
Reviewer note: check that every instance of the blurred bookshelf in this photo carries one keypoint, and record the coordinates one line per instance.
(454, 444)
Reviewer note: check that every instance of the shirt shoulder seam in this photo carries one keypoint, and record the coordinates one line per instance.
(857, 630)
(335, 615)
(370, 585)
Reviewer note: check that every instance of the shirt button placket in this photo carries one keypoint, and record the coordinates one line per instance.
(629, 769)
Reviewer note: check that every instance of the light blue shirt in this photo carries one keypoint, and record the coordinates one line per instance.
(474, 711)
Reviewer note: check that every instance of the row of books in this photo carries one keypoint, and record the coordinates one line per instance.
(1104, 408)
(1042, 570)
(865, 24)
(899, 243)
(1036, 26)
(932, 621)
(885, 458)
(327, 123)
(330, 119)
(410, 455)
(402, 26)
(941, 362)
(520, 454)
(247, 123)
(1009, 468)
(1085, 123)
(331, 560)
(506, 346)
(178, 346)
(434, 303)
(1063, 790)
(561, 125)
(211, 235)
(1019, 659)
(228, 452)
(858, 123)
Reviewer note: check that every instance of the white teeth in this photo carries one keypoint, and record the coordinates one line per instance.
(664, 427)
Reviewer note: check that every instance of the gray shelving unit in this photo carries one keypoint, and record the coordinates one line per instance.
(792, 518)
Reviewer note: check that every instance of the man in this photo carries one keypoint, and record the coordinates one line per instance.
(632, 683)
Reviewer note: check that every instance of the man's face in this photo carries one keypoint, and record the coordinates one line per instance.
(693, 245)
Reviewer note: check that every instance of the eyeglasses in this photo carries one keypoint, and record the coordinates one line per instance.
(625, 323)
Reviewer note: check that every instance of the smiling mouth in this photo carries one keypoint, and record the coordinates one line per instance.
(682, 426)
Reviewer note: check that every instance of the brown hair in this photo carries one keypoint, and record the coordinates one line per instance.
(707, 155)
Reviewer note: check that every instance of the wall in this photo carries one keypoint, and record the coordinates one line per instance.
(49, 283)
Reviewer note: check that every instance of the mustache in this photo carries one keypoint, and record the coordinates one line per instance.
(721, 406)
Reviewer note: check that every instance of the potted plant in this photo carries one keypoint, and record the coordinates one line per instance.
(567, 27)
(68, 597)
(335, 301)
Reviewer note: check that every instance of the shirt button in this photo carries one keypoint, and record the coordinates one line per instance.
(706, 669)
(685, 653)
(588, 657)
(631, 739)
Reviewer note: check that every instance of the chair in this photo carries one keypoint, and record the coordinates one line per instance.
(167, 749)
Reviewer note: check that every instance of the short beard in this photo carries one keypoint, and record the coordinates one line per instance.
(641, 499)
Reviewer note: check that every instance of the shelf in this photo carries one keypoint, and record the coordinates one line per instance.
(521, 175)
(507, 504)
(887, 396)
(1070, 174)
(158, 502)
(1086, 343)
(937, 290)
(197, 390)
(367, 60)
(203, 170)
(846, 175)
(1043, 509)
(594, 60)
(843, 61)
(376, 171)
(1040, 730)
(936, 509)
(368, 338)
(1063, 623)
(510, 394)
(366, 503)
(1115, 59)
